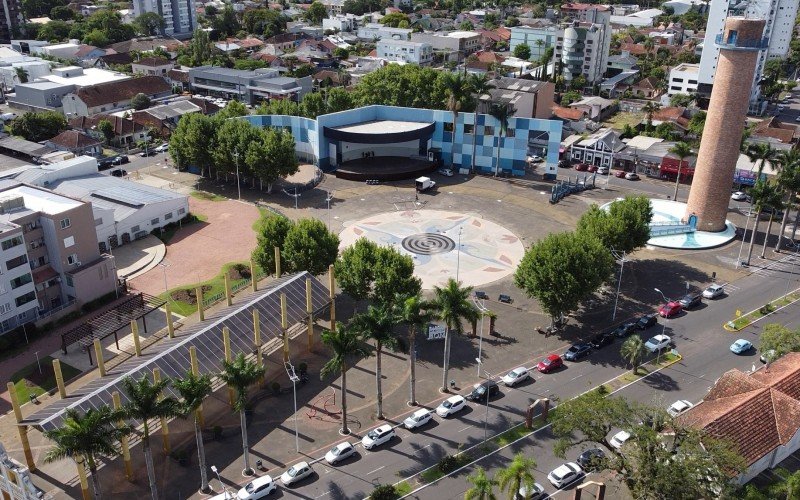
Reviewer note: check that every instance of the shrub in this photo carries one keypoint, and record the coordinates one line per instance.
(383, 492)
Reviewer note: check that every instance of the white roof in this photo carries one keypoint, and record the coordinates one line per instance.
(41, 200)
(647, 13)
(90, 76)
(643, 142)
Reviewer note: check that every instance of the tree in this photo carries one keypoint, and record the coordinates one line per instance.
(466, 26)
(763, 195)
(789, 182)
(415, 313)
(378, 324)
(107, 129)
(682, 151)
(39, 8)
(272, 231)
(777, 340)
(522, 51)
(569, 97)
(61, 13)
(149, 23)
(87, 437)
(360, 7)
(198, 51)
(632, 351)
(240, 374)
(681, 100)
(452, 306)
(346, 347)
(518, 474)
(458, 91)
(482, 486)
(312, 105)
(193, 390)
(501, 112)
(140, 102)
(408, 86)
(192, 142)
(315, 13)
(624, 227)
(650, 108)
(226, 22)
(22, 74)
(310, 246)
(264, 22)
(384, 492)
(394, 19)
(40, 126)
(106, 26)
(563, 269)
(146, 401)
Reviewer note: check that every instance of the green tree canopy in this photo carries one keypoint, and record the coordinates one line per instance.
(140, 101)
(226, 22)
(394, 19)
(149, 23)
(264, 22)
(39, 126)
(107, 129)
(360, 7)
(310, 246)
(522, 51)
(624, 227)
(315, 13)
(193, 141)
(54, 31)
(777, 340)
(683, 100)
(271, 233)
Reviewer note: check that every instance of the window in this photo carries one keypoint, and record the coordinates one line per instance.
(168, 216)
(5, 308)
(693, 82)
(24, 299)
(488, 130)
(680, 80)
(98, 222)
(12, 242)
(135, 229)
(69, 280)
(181, 211)
(468, 129)
(21, 281)
(16, 262)
(65, 223)
(448, 127)
(72, 259)
(69, 241)
(154, 221)
(510, 132)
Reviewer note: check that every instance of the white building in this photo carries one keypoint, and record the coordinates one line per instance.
(683, 79)
(639, 19)
(377, 31)
(680, 7)
(179, 15)
(457, 45)
(779, 16)
(83, 77)
(405, 51)
(340, 22)
(32, 66)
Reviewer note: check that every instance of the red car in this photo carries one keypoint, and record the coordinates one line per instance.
(591, 168)
(581, 167)
(550, 363)
(620, 174)
(670, 309)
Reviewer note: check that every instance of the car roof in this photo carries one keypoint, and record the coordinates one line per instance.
(553, 357)
(343, 445)
(300, 465)
(455, 399)
(384, 428)
(261, 481)
(714, 287)
(421, 412)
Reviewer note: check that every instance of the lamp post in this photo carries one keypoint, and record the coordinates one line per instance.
(486, 416)
(294, 378)
(619, 284)
(482, 308)
(164, 265)
(666, 320)
(328, 199)
(458, 253)
(238, 184)
(224, 488)
(744, 237)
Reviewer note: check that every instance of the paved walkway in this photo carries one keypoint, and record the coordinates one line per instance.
(139, 256)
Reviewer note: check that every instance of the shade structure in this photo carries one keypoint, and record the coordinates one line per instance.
(171, 356)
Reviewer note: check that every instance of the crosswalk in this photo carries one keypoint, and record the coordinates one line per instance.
(784, 268)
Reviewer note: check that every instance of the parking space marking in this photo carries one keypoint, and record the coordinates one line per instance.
(376, 470)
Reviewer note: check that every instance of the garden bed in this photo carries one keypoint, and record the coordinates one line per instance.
(751, 317)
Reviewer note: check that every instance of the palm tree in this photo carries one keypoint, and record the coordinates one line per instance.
(146, 401)
(632, 351)
(87, 437)
(452, 305)
(482, 486)
(789, 180)
(516, 475)
(648, 45)
(457, 90)
(650, 109)
(760, 154)
(194, 389)
(346, 345)
(479, 85)
(682, 151)
(501, 112)
(773, 198)
(240, 374)
(378, 324)
(759, 193)
(415, 313)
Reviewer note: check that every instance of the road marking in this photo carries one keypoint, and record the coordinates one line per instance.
(324, 494)
(420, 449)
(465, 428)
(376, 470)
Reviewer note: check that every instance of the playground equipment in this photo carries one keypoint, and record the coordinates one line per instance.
(564, 188)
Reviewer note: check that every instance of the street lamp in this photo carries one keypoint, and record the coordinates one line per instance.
(483, 309)
(458, 252)
(328, 199)
(486, 416)
(619, 284)
(164, 265)
(238, 184)
(224, 488)
(744, 237)
(294, 378)
(666, 320)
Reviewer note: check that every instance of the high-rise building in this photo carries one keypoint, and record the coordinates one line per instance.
(739, 46)
(10, 19)
(779, 16)
(179, 15)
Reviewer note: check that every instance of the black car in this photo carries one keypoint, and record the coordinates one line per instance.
(647, 321)
(624, 329)
(105, 163)
(691, 300)
(577, 351)
(148, 152)
(601, 340)
(119, 172)
(592, 459)
(121, 160)
(479, 391)
(506, 299)
(481, 295)
(564, 164)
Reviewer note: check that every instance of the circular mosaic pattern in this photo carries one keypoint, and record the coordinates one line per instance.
(428, 243)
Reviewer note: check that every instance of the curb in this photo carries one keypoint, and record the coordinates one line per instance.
(729, 326)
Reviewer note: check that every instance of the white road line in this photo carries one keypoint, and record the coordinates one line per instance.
(465, 428)
(417, 450)
(324, 494)
(376, 470)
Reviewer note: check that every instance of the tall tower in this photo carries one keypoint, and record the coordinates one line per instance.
(739, 45)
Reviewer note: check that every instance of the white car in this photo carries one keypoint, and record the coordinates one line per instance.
(339, 453)
(516, 376)
(446, 172)
(418, 419)
(378, 436)
(657, 343)
(257, 488)
(618, 439)
(535, 159)
(602, 170)
(297, 472)
(451, 405)
(739, 196)
(162, 148)
(713, 291)
(566, 474)
(679, 407)
(534, 493)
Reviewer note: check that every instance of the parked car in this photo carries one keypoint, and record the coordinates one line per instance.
(581, 167)
(105, 163)
(451, 405)
(505, 299)
(577, 351)
(535, 159)
(618, 439)
(739, 196)
(601, 340)
(516, 376)
(670, 309)
(479, 391)
(257, 488)
(591, 459)
(657, 343)
(121, 160)
(536, 492)
(564, 164)
(620, 174)
(339, 453)
(418, 419)
(679, 407)
(602, 170)
(162, 148)
(445, 172)
(481, 295)
(741, 346)
(148, 152)
(713, 291)
(295, 473)
(565, 474)
(646, 321)
(624, 329)
(378, 436)
(550, 363)
(119, 172)
(591, 168)
(632, 176)
(691, 300)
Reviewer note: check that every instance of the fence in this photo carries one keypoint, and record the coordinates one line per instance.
(218, 297)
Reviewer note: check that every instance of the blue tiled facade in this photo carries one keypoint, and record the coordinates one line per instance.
(525, 136)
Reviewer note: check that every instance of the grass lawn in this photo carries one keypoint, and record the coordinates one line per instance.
(512, 435)
(212, 287)
(202, 195)
(623, 118)
(402, 489)
(744, 321)
(167, 234)
(29, 381)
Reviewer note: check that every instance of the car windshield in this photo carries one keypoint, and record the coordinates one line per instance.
(447, 404)
(293, 472)
(573, 348)
(512, 374)
(547, 362)
(480, 389)
(249, 488)
(372, 434)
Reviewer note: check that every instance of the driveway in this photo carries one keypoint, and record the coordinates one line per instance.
(198, 251)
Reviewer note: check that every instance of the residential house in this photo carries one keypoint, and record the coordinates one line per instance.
(126, 132)
(76, 142)
(621, 62)
(108, 61)
(529, 98)
(148, 44)
(340, 23)
(164, 118)
(677, 116)
(250, 87)
(683, 79)
(152, 66)
(453, 45)
(94, 99)
(375, 31)
(278, 44)
(779, 135)
(647, 88)
(597, 149)
(330, 78)
(616, 85)
(179, 77)
(596, 108)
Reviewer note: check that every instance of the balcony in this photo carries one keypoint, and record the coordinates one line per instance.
(735, 43)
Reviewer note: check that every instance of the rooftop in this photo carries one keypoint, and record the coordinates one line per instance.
(90, 76)
(382, 127)
(687, 68)
(41, 200)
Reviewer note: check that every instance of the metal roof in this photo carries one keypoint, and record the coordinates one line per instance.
(171, 356)
(26, 147)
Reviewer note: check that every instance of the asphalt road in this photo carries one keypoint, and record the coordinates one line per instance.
(698, 336)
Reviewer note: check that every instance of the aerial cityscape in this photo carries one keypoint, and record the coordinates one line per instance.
(423, 249)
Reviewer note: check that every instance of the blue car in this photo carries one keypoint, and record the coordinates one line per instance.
(741, 346)
(577, 351)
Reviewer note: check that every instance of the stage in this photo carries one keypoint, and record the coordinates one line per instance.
(384, 168)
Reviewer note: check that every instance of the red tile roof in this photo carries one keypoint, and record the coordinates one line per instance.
(583, 6)
(105, 93)
(122, 126)
(775, 129)
(152, 61)
(74, 140)
(571, 114)
(489, 56)
(673, 114)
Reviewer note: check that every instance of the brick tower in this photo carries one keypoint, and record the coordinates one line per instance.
(739, 44)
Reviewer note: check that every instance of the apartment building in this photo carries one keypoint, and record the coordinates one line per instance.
(49, 256)
(376, 31)
(250, 87)
(179, 15)
(406, 52)
(456, 45)
(683, 79)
